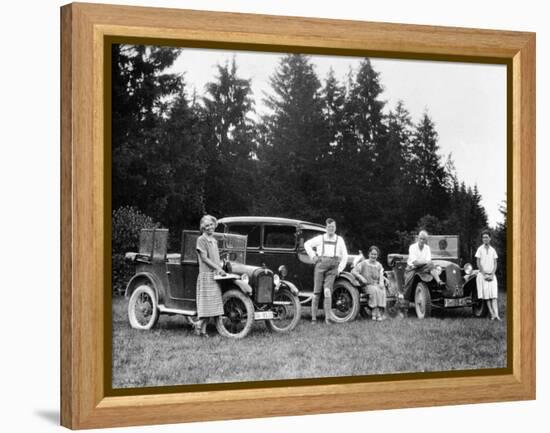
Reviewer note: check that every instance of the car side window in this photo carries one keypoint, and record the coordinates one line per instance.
(283, 237)
(253, 232)
(306, 236)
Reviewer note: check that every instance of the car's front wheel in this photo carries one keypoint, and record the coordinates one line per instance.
(345, 302)
(287, 310)
(238, 315)
(142, 308)
(422, 301)
(479, 306)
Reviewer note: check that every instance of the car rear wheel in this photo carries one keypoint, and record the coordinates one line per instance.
(345, 302)
(287, 310)
(238, 315)
(142, 308)
(422, 301)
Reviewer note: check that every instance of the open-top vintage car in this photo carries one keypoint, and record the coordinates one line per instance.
(278, 243)
(459, 289)
(166, 284)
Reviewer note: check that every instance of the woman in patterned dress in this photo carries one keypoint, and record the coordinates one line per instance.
(371, 273)
(209, 294)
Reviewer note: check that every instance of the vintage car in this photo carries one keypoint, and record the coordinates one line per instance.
(278, 243)
(424, 294)
(166, 284)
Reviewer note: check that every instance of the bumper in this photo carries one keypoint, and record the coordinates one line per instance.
(457, 302)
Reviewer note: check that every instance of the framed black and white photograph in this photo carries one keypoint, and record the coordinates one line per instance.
(317, 221)
(272, 145)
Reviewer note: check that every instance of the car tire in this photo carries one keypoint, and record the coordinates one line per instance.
(345, 302)
(288, 311)
(238, 315)
(422, 301)
(479, 307)
(142, 308)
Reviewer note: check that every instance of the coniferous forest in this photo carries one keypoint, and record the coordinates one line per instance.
(324, 149)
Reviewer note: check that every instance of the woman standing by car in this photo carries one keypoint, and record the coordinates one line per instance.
(487, 287)
(209, 295)
(371, 273)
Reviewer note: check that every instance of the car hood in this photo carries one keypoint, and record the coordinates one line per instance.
(239, 268)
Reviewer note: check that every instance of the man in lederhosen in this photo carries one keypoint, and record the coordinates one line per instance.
(328, 252)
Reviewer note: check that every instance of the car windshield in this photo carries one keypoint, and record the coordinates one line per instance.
(443, 246)
(232, 245)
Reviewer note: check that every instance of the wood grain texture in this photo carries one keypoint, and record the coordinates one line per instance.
(84, 403)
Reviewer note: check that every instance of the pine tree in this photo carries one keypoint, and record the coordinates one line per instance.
(296, 139)
(181, 141)
(229, 142)
(426, 174)
(140, 89)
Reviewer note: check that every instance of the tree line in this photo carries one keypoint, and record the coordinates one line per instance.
(324, 148)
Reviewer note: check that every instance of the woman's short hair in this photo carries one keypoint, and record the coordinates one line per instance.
(207, 219)
(374, 248)
(485, 232)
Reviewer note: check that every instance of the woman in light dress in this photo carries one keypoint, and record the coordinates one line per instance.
(487, 287)
(371, 273)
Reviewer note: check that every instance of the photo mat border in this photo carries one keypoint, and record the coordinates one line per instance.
(86, 400)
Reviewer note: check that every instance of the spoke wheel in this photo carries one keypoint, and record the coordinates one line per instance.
(142, 308)
(345, 302)
(422, 301)
(238, 315)
(287, 310)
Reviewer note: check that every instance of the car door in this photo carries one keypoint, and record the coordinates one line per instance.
(279, 248)
(304, 264)
(183, 275)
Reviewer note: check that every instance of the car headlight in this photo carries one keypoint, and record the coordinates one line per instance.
(468, 268)
(276, 280)
(244, 278)
(283, 271)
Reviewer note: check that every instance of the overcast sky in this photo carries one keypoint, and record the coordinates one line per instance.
(467, 103)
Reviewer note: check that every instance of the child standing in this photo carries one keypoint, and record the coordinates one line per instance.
(487, 288)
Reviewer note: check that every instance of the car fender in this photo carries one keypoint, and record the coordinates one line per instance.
(470, 284)
(349, 277)
(140, 277)
(243, 287)
(293, 289)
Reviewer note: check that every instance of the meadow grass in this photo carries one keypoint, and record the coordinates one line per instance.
(170, 354)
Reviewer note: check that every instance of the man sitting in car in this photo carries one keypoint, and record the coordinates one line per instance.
(420, 260)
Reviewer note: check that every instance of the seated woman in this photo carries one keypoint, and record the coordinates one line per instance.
(371, 273)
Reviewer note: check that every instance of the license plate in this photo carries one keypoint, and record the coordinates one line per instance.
(263, 315)
(459, 302)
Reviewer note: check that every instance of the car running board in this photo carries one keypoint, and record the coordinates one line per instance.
(163, 309)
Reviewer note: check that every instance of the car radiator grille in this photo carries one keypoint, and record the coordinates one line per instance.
(264, 292)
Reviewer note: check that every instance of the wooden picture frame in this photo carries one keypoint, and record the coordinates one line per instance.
(85, 29)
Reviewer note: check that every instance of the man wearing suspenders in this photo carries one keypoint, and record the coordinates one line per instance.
(328, 252)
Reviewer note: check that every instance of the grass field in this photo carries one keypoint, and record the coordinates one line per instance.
(171, 355)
